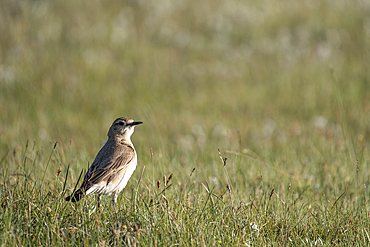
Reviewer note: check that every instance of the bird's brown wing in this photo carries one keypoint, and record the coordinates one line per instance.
(107, 167)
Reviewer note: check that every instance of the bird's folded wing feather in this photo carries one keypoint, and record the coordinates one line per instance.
(107, 167)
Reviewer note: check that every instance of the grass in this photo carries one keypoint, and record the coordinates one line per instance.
(279, 89)
(185, 212)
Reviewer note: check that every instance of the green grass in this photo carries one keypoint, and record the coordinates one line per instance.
(282, 89)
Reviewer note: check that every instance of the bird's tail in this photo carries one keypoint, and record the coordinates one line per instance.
(78, 195)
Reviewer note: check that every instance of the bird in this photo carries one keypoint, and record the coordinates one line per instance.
(113, 165)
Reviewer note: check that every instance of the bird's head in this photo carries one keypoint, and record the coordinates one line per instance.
(122, 127)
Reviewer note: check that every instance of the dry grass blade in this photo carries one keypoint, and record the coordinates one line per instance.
(222, 159)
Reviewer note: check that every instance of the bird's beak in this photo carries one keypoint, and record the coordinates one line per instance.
(134, 123)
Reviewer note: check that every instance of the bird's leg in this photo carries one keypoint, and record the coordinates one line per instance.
(98, 201)
(115, 209)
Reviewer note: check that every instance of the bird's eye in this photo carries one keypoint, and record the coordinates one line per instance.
(121, 123)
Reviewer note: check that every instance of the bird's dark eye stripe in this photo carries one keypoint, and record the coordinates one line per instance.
(121, 123)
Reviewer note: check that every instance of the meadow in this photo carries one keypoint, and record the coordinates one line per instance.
(256, 121)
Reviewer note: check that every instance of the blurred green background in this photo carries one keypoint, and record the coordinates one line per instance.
(285, 81)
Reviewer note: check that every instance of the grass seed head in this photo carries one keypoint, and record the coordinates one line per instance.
(169, 179)
(59, 171)
(272, 192)
(228, 188)
(192, 171)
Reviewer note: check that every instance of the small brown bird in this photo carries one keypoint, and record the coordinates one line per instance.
(113, 165)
